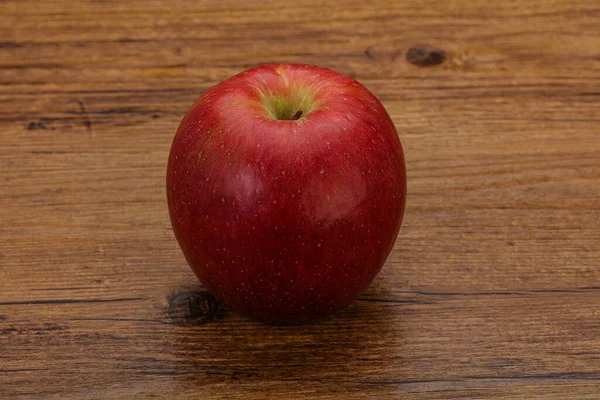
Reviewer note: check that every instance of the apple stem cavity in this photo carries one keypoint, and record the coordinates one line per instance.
(292, 105)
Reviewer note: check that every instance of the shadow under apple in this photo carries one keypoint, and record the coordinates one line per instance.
(212, 343)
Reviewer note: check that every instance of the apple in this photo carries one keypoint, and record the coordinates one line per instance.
(286, 187)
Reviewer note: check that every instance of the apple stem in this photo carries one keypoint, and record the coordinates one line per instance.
(296, 115)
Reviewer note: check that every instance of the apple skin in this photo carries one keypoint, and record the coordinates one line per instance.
(286, 220)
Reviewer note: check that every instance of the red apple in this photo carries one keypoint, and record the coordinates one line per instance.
(286, 187)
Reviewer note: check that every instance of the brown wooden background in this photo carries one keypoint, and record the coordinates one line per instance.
(493, 288)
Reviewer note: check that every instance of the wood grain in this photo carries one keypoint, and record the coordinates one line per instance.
(492, 290)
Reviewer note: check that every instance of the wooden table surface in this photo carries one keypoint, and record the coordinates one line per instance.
(491, 292)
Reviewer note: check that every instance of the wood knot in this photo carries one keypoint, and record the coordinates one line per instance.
(36, 125)
(192, 307)
(425, 56)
